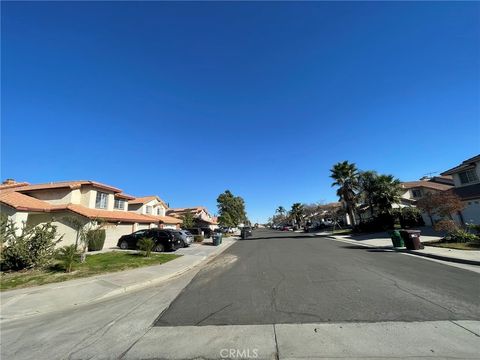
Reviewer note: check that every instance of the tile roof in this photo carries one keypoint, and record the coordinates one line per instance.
(426, 184)
(125, 196)
(76, 184)
(467, 164)
(166, 219)
(13, 185)
(146, 199)
(109, 215)
(24, 202)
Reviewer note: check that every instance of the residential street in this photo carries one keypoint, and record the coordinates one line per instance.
(280, 277)
(352, 295)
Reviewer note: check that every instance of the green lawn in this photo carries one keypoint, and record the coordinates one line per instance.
(458, 246)
(94, 265)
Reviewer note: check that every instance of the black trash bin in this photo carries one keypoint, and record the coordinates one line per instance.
(411, 238)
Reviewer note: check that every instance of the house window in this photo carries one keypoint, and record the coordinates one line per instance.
(416, 193)
(102, 200)
(148, 209)
(158, 211)
(119, 204)
(468, 176)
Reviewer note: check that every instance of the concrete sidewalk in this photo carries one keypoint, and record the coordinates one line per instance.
(383, 240)
(43, 299)
(383, 340)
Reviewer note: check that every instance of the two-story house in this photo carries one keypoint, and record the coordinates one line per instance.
(415, 190)
(202, 216)
(466, 177)
(156, 208)
(68, 203)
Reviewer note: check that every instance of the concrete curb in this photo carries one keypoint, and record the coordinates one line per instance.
(413, 252)
(118, 290)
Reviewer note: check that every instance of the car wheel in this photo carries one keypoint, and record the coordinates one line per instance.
(182, 244)
(124, 245)
(159, 248)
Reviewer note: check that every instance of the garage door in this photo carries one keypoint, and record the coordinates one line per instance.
(114, 232)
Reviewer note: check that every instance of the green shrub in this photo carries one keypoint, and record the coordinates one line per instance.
(461, 236)
(96, 239)
(146, 245)
(34, 247)
(68, 255)
(381, 222)
(474, 228)
(198, 238)
(410, 217)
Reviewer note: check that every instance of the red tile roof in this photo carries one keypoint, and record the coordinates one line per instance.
(146, 199)
(12, 185)
(24, 202)
(166, 219)
(76, 184)
(108, 215)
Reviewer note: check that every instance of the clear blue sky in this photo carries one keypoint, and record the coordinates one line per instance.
(185, 100)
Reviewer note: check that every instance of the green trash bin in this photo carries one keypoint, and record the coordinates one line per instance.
(397, 239)
(220, 238)
(217, 239)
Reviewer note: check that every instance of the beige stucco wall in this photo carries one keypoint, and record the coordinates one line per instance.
(142, 208)
(53, 196)
(89, 196)
(18, 217)
(60, 221)
(113, 232)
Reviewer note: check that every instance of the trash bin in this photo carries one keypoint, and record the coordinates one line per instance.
(243, 234)
(397, 240)
(217, 239)
(220, 238)
(411, 238)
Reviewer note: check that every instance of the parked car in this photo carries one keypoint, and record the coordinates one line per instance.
(164, 240)
(186, 236)
(287, 228)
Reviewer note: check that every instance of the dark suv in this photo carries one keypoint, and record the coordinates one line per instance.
(164, 240)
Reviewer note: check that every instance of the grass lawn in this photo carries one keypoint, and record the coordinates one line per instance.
(94, 265)
(458, 246)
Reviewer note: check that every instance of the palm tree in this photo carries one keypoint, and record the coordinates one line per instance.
(368, 181)
(280, 210)
(387, 192)
(297, 212)
(346, 175)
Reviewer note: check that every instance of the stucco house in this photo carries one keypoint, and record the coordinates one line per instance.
(467, 186)
(200, 213)
(415, 190)
(155, 208)
(62, 202)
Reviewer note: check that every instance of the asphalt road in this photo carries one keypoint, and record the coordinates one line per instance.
(276, 278)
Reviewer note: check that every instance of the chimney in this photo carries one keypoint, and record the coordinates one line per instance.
(9, 182)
